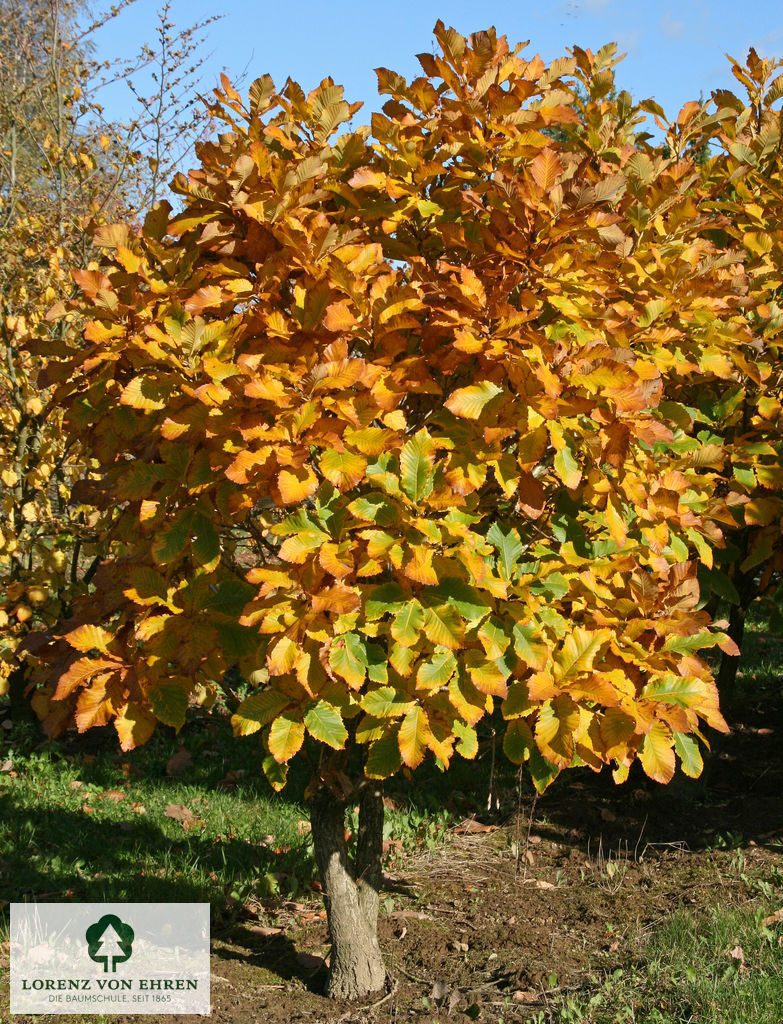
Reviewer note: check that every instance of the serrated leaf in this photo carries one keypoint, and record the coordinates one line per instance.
(414, 735)
(436, 671)
(443, 626)
(567, 468)
(518, 741)
(469, 402)
(286, 736)
(169, 702)
(407, 623)
(656, 754)
(134, 725)
(467, 740)
(578, 652)
(687, 749)
(385, 702)
(325, 723)
(348, 658)
(383, 757)
(258, 710)
(509, 547)
(343, 469)
(417, 458)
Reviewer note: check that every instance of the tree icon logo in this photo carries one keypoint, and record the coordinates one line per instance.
(110, 942)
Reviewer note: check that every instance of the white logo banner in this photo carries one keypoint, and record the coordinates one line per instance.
(110, 958)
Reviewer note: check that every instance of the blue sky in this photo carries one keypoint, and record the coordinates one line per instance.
(675, 50)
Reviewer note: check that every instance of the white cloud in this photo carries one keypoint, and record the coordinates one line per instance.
(671, 27)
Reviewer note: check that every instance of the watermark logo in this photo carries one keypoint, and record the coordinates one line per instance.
(99, 958)
(110, 942)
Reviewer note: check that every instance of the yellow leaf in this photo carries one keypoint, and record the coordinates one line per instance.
(414, 736)
(656, 754)
(86, 638)
(294, 485)
(134, 726)
(286, 736)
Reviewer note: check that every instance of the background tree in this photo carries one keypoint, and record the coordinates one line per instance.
(381, 422)
(63, 166)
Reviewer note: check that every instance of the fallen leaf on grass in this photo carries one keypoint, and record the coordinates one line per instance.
(75, 784)
(524, 996)
(263, 930)
(773, 918)
(190, 823)
(472, 827)
(115, 795)
(138, 808)
(6, 766)
(539, 883)
(303, 827)
(179, 763)
(179, 812)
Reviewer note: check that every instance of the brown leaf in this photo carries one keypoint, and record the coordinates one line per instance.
(263, 930)
(773, 918)
(179, 763)
(190, 823)
(472, 827)
(115, 795)
(178, 812)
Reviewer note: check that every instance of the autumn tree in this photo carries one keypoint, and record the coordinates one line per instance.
(379, 420)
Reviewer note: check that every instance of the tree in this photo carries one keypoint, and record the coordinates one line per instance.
(63, 167)
(379, 423)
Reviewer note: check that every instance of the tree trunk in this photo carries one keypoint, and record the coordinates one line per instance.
(19, 705)
(356, 968)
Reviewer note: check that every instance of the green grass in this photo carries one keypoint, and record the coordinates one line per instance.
(685, 973)
(62, 837)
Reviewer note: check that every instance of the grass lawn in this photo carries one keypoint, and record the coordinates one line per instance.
(596, 904)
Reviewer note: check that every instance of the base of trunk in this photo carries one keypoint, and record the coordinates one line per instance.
(356, 968)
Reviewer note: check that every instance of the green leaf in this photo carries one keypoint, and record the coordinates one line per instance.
(471, 605)
(529, 644)
(169, 703)
(407, 623)
(678, 690)
(467, 740)
(542, 772)
(170, 541)
(443, 626)
(386, 702)
(348, 658)
(436, 671)
(389, 597)
(276, 773)
(509, 547)
(687, 749)
(518, 741)
(205, 543)
(416, 461)
(375, 508)
(325, 723)
(383, 757)
(567, 468)
(256, 710)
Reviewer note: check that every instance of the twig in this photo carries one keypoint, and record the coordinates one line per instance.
(529, 829)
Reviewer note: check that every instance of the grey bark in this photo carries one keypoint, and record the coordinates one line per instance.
(356, 967)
